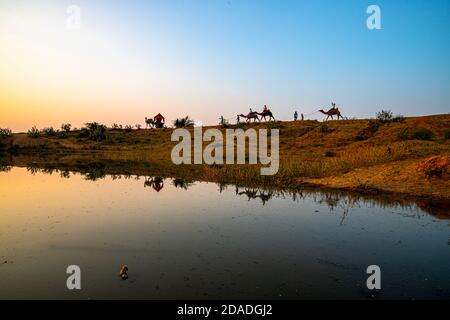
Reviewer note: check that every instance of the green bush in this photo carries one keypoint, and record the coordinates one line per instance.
(49, 132)
(5, 133)
(34, 133)
(422, 134)
(94, 131)
(385, 116)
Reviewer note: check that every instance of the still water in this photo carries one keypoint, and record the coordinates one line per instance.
(183, 239)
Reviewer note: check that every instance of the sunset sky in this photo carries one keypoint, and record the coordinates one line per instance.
(207, 58)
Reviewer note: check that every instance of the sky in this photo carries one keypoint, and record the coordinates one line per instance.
(207, 58)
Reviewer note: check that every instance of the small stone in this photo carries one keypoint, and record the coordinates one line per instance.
(123, 273)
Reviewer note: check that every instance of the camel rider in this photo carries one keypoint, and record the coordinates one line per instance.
(265, 108)
(251, 111)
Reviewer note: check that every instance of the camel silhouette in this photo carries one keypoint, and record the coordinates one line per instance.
(334, 111)
(252, 115)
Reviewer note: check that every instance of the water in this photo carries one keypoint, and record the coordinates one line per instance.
(202, 240)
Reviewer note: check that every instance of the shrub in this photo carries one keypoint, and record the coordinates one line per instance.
(183, 122)
(138, 126)
(34, 133)
(324, 128)
(422, 134)
(49, 132)
(93, 131)
(329, 154)
(66, 127)
(128, 128)
(447, 135)
(384, 116)
(5, 133)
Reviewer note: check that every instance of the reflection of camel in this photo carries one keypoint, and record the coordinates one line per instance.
(334, 111)
(157, 183)
(253, 194)
(252, 115)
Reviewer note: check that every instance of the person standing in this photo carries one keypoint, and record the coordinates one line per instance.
(295, 116)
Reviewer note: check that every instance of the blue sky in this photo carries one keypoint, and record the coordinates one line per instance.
(208, 58)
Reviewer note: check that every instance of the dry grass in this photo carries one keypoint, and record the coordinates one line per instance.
(346, 154)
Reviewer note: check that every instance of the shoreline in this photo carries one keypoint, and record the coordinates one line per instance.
(350, 155)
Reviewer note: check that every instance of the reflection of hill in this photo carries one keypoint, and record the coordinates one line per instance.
(335, 200)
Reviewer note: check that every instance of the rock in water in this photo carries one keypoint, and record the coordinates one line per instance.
(123, 273)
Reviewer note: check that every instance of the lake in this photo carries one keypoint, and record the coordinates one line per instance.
(196, 240)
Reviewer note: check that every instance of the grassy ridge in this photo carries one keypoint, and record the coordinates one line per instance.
(364, 155)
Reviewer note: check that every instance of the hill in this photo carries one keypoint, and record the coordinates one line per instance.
(409, 156)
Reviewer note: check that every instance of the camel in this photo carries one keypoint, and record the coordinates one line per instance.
(332, 112)
(149, 123)
(266, 113)
(252, 115)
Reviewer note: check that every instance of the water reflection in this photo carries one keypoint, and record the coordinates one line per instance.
(182, 183)
(337, 201)
(189, 239)
(157, 183)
